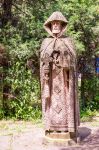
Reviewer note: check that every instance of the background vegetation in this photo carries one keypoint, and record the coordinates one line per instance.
(21, 30)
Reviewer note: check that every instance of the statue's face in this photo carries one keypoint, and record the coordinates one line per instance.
(56, 27)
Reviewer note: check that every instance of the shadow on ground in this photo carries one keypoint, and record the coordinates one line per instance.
(88, 141)
(84, 132)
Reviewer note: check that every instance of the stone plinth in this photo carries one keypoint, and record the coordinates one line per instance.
(60, 139)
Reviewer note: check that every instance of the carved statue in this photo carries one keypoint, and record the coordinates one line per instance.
(58, 78)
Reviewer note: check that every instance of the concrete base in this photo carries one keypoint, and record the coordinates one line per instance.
(61, 139)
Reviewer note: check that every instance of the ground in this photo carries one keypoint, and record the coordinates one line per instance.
(21, 135)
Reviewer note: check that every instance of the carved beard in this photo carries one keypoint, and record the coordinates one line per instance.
(55, 31)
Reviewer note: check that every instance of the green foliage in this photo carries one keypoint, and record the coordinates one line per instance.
(22, 36)
(91, 95)
(1, 113)
(25, 91)
(82, 16)
(87, 114)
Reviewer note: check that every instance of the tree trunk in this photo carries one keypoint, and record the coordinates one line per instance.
(6, 13)
(82, 92)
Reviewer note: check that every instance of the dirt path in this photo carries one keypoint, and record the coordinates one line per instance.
(27, 136)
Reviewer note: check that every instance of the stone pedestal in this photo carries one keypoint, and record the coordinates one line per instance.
(60, 138)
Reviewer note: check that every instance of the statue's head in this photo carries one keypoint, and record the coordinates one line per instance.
(56, 24)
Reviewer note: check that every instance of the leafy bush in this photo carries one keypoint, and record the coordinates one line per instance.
(91, 93)
(1, 113)
(87, 114)
(24, 93)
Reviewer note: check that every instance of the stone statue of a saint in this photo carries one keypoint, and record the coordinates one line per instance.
(58, 78)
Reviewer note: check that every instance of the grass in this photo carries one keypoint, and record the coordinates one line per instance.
(88, 115)
(10, 127)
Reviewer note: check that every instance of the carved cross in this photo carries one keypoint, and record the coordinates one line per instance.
(47, 59)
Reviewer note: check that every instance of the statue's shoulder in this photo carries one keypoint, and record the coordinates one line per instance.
(46, 42)
(69, 42)
(47, 39)
(68, 39)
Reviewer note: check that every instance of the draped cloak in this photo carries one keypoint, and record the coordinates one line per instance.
(60, 107)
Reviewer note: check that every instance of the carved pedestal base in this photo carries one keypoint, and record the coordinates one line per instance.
(60, 139)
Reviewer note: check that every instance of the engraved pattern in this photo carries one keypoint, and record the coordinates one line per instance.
(58, 109)
(57, 89)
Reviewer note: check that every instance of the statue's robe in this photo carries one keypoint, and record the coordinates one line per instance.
(60, 105)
